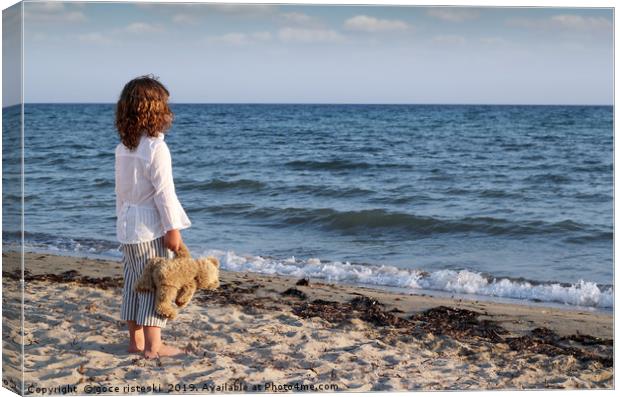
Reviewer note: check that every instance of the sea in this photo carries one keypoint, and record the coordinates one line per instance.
(483, 202)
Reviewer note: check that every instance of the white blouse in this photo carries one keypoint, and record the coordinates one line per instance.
(146, 202)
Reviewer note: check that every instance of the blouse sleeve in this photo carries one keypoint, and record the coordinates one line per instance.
(116, 189)
(170, 210)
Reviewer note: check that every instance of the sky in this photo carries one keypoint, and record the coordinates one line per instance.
(235, 53)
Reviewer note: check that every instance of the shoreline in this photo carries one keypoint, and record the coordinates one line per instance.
(267, 328)
(419, 291)
(409, 302)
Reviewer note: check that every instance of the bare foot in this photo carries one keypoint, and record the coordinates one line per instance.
(164, 351)
(135, 349)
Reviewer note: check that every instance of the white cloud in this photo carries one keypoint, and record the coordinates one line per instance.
(449, 39)
(52, 12)
(191, 13)
(210, 8)
(563, 21)
(95, 38)
(48, 6)
(371, 24)
(142, 28)
(240, 39)
(299, 18)
(452, 14)
(184, 18)
(247, 9)
(310, 35)
(118, 35)
(581, 23)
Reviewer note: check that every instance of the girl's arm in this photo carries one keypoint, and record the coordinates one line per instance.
(171, 212)
(172, 240)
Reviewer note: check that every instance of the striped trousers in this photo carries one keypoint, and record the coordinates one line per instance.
(140, 306)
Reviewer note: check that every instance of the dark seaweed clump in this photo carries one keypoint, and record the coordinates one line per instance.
(458, 323)
(304, 282)
(365, 308)
(547, 342)
(68, 277)
(295, 293)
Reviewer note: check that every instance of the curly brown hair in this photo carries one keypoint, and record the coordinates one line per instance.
(142, 108)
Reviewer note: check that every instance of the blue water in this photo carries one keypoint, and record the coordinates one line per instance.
(444, 197)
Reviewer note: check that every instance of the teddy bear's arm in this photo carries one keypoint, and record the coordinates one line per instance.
(185, 295)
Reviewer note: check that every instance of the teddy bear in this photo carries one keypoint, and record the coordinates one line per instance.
(177, 279)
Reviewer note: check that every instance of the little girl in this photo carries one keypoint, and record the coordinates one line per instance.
(149, 214)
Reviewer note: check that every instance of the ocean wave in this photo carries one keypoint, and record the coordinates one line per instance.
(336, 165)
(103, 183)
(548, 178)
(496, 193)
(582, 293)
(252, 185)
(16, 198)
(588, 238)
(48, 242)
(484, 193)
(329, 191)
(402, 199)
(597, 168)
(219, 184)
(379, 219)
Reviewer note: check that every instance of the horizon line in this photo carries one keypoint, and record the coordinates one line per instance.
(326, 103)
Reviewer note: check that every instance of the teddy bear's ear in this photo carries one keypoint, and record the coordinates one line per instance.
(215, 261)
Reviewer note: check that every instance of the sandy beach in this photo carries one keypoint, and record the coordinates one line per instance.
(270, 333)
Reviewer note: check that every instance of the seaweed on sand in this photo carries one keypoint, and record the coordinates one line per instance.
(295, 293)
(303, 282)
(365, 308)
(547, 342)
(464, 325)
(461, 324)
(458, 323)
(68, 277)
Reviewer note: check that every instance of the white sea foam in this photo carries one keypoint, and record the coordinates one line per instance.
(68, 246)
(583, 293)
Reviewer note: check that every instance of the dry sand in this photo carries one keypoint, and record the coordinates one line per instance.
(250, 335)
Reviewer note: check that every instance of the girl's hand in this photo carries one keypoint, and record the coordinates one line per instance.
(172, 240)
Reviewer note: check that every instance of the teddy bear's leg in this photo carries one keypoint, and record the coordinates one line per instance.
(163, 305)
(185, 295)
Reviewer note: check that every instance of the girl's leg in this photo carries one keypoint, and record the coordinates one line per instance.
(151, 321)
(136, 337)
(129, 304)
(153, 346)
